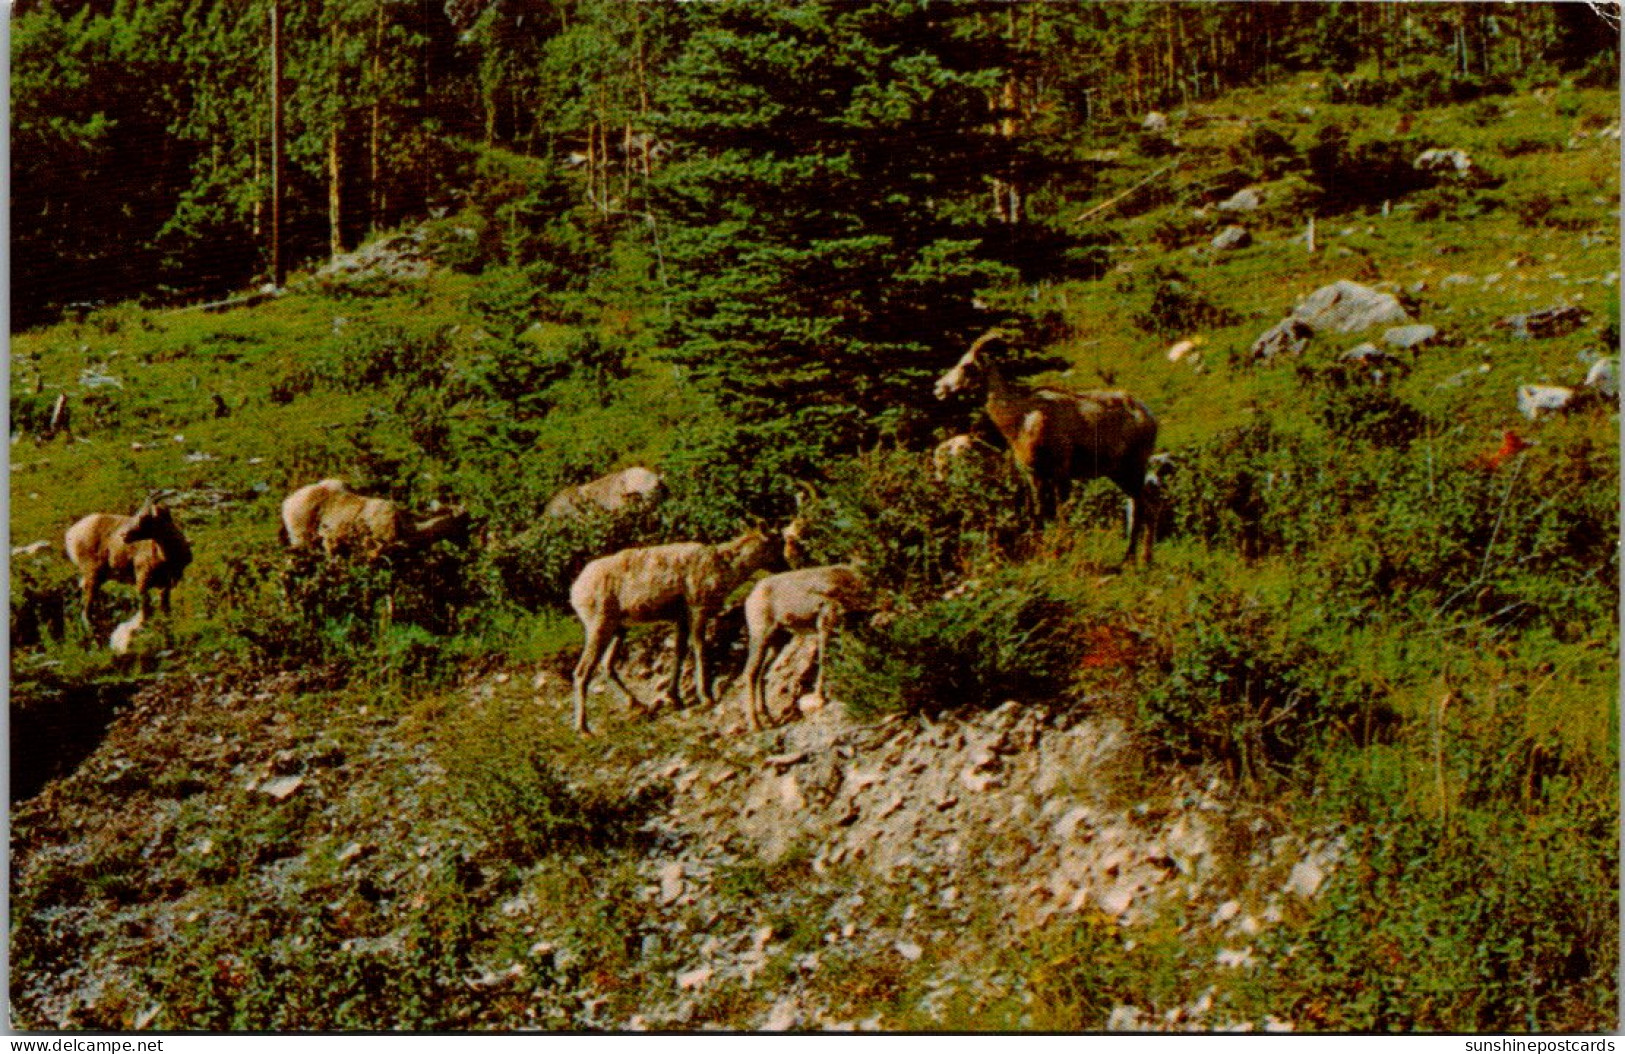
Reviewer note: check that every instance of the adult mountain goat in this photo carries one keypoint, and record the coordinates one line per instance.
(146, 550)
(683, 582)
(329, 513)
(1058, 436)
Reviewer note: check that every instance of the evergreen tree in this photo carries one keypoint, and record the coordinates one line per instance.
(834, 164)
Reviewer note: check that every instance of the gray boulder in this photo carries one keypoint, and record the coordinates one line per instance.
(1287, 337)
(1245, 200)
(1537, 399)
(1232, 238)
(1349, 307)
(1410, 337)
(1154, 122)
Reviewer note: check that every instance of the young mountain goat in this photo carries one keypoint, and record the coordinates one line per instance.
(146, 550)
(684, 582)
(811, 599)
(1058, 436)
(343, 521)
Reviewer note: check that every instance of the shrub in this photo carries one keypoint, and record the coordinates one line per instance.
(1353, 175)
(1504, 923)
(975, 648)
(913, 533)
(1177, 307)
(1354, 403)
(1238, 688)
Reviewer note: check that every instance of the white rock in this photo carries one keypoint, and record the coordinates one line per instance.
(1537, 399)
(692, 979)
(1602, 377)
(1234, 957)
(282, 789)
(1115, 901)
(1306, 878)
(909, 950)
(1182, 349)
(1227, 911)
(785, 1015)
(671, 882)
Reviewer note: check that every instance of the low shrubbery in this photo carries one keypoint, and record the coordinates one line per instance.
(992, 642)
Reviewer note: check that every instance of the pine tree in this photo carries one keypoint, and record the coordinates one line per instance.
(821, 216)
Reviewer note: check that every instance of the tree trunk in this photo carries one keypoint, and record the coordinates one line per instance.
(335, 198)
(279, 272)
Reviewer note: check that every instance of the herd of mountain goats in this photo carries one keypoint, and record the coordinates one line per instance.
(1055, 436)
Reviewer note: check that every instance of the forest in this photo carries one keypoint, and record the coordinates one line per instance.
(1338, 753)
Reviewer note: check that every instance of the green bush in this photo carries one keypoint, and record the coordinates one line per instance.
(976, 648)
(1503, 922)
(1178, 307)
(913, 533)
(1239, 688)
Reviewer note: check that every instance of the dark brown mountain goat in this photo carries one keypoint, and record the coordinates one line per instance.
(1058, 436)
(146, 550)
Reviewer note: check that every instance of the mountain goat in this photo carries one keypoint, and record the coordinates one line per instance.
(812, 599)
(683, 582)
(341, 520)
(1058, 436)
(146, 550)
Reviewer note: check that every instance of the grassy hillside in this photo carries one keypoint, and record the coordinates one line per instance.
(1354, 635)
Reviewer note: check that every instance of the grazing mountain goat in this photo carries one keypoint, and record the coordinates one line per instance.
(1058, 436)
(683, 582)
(612, 493)
(343, 521)
(811, 599)
(146, 550)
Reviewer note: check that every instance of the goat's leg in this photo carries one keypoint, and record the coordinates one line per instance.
(591, 652)
(612, 654)
(754, 691)
(826, 625)
(674, 689)
(702, 684)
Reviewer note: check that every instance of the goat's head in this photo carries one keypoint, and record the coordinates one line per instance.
(971, 367)
(152, 521)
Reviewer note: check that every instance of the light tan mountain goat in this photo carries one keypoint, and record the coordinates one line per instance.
(812, 599)
(344, 521)
(1058, 436)
(146, 550)
(683, 582)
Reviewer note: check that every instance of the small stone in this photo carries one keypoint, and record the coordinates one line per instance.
(976, 781)
(785, 1015)
(1227, 911)
(1234, 957)
(693, 979)
(671, 882)
(1306, 878)
(909, 950)
(282, 789)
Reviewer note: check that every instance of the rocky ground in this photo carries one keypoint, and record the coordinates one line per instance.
(909, 844)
